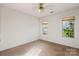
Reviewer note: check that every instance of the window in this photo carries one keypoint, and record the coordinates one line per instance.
(44, 28)
(68, 27)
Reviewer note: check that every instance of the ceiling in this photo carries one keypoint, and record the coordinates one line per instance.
(50, 8)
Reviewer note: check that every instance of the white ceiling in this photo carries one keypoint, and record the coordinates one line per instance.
(31, 8)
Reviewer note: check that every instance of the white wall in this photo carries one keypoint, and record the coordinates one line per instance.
(16, 28)
(55, 28)
(0, 25)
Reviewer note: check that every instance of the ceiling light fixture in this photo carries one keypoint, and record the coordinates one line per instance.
(41, 7)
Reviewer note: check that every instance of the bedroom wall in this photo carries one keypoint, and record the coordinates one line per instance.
(0, 25)
(55, 28)
(16, 28)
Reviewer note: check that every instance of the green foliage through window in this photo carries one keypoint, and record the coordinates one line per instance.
(68, 28)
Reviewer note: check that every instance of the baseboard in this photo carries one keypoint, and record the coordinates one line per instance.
(59, 43)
